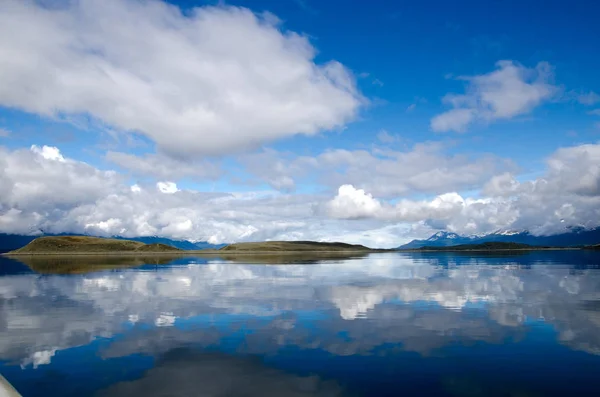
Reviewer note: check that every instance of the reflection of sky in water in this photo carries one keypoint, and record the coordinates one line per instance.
(451, 325)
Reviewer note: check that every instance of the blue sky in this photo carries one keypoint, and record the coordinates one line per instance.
(464, 115)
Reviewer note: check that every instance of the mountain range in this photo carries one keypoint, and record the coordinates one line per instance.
(9, 242)
(573, 237)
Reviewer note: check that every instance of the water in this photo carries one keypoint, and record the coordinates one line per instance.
(381, 325)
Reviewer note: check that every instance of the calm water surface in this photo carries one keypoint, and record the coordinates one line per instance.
(382, 325)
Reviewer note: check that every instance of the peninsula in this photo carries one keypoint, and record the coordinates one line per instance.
(85, 245)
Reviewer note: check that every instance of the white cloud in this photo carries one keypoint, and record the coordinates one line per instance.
(107, 226)
(41, 179)
(595, 112)
(212, 81)
(42, 193)
(576, 169)
(48, 152)
(501, 185)
(39, 193)
(453, 120)
(352, 203)
(510, 90)
(411, 108)
(167, 187)
(424, 168)
(4, 133)
(567, 194)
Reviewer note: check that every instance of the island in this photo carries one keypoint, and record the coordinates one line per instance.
(296, 246)
(86, 245)
(83, 245)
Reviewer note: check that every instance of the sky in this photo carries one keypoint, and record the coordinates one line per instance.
(364, 122)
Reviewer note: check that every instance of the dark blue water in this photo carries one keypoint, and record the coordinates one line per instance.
(382, 325)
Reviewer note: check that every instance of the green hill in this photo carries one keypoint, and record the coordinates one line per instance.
(88, 245)
(96, 245)
(158, 247)
(293, 246)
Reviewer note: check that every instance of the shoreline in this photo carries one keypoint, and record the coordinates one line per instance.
(282, 252)
(496, 250)
(190, 253)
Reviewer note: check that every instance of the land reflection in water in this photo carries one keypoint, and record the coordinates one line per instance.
(74, 264)
(427, 323)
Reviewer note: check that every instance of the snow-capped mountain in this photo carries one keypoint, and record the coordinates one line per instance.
(575, 236)
(443, 235)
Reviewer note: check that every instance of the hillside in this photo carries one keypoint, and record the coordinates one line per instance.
(84, 244)
(98, 245)
(11, 242)
(181, 244)
(158, 247)
(293, 246)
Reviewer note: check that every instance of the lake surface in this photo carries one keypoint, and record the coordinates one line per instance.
(380, 325)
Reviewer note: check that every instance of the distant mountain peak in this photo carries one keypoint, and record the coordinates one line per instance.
(507, 232)
(443, 235)
(572, 236)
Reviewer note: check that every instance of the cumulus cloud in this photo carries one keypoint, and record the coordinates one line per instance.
(40, 180)
(42, 190)
(424, 168)
(48, 152)
(567, 194)
(577, 169)
(167, 187)
(352, 203)
(210, 81)
(465, 215)
(510, 90)
(501, 185)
